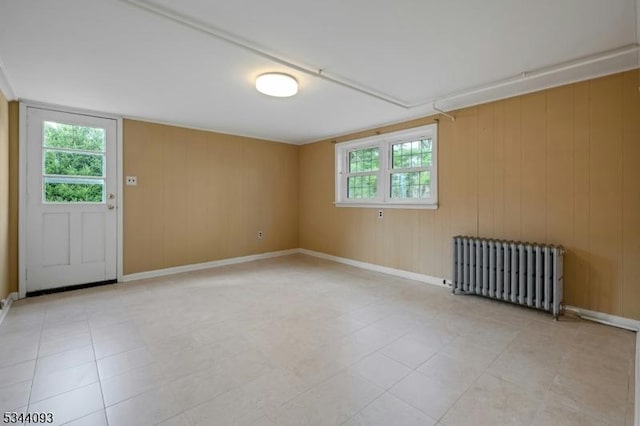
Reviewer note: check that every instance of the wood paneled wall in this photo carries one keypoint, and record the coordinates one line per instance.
(203, 196)
(560, 166)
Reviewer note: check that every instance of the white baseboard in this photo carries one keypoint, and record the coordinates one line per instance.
(377, 268)
(206, 265)
(8, 302)
(608, 319)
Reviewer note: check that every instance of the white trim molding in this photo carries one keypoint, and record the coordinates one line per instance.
(206, 265)
(440, 282)
(22, 200)
(6, 305)
(607, 319)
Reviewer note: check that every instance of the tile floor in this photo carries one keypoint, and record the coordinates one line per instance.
(302, 341)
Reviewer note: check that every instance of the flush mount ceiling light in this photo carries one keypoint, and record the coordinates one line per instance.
(277, 84)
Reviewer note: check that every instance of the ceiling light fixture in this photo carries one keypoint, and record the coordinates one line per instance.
(277, 84)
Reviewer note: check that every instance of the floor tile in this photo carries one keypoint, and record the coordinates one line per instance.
(194, 389)
(409, 351)
(64, 360)
(17, 373)
(469, 354)
(491, 401)
(123, 362)
(330, 403)
(235, 407)
(589, 399)
(554, 413)
(149, 408)
(11, 355)
(431, 395)
(127, 385)
(14, 396)
(380, 370)
(99, 418)
(46, 385)
(71, 405)
(179, 420)
(388, 410)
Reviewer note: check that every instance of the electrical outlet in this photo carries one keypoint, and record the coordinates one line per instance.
(132, 180)
(380, 214)
(260, 234)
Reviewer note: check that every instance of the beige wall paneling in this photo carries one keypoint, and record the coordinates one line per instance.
(560, 174)
(143, 154)
(498, 170)
(202, 196)
(270, 195)
(577, 288)
(200, 190)
(534, 173)
(605, 184)
(463, 147)
(631, 194)
(359, 232)
(316, 195)
(399, 239)
(175, 177)
(486, 169)
(427, 250)
(4, 197)
(513, 168)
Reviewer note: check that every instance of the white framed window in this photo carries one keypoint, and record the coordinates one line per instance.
(394, 170)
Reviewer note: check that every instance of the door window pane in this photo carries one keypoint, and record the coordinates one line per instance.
(60, 135)
(73, 157)
(60, 190)
(73, 164)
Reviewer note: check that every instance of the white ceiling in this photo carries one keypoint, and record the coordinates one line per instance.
(118, 58)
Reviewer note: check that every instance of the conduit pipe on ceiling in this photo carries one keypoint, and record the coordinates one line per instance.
(322, 73)
(260, 50)
(543, 72)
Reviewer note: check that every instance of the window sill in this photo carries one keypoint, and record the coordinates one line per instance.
(388, 205)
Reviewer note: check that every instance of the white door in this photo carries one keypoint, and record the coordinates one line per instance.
(71, 199)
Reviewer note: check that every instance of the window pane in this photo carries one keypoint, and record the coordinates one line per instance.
(362, 186)
(412, 154)
(411, 185)
(363, 160)
(59, 135)
(59, 190)
(72, 164)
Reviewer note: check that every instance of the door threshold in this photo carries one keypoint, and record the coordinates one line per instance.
(69, 288)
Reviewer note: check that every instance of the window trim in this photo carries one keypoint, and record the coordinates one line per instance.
(384, 143)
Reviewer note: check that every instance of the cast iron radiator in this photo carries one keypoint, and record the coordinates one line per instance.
(517, 272)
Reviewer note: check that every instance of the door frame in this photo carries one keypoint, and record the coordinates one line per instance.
(22, 184)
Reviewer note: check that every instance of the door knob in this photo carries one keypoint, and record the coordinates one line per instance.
(111, 206)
